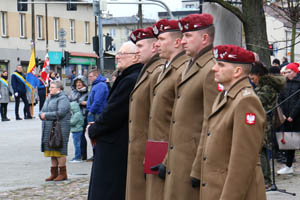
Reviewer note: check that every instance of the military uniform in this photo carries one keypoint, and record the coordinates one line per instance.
(230, 162)
(139, 110)
(194, 98)
(160, 115)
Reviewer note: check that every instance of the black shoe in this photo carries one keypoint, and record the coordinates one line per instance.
(83, 157)
(28, 117)
(5, 120)
(19, 118)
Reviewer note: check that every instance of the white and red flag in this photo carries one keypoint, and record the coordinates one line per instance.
(46, 70)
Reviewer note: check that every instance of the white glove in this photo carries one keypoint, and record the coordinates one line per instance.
(0, 96)
(16, 94)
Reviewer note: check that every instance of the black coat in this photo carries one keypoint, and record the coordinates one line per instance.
(17, 84)
(108, 178)
(291, 108)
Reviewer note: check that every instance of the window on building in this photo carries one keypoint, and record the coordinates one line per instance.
(22, 25)
(87, 32)
(112, 32)
(39, 26)
(56, 28)
(72, 30)
(3, 24)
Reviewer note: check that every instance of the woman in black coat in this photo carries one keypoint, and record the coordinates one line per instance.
(110, 133)
(291, 110)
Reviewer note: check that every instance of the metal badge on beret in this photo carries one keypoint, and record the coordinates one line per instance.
(180, 26)
(233, 54)
(155, 30)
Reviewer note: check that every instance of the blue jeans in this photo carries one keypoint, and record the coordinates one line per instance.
(76, 142)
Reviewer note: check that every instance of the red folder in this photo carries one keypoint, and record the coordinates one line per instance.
(154, 155)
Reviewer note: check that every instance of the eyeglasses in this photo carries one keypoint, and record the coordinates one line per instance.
(123, 53)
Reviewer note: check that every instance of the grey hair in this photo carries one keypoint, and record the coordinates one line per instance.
(58, 83)
(131, 46)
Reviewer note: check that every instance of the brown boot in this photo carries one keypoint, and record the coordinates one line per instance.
(62, 174)
(54, 174)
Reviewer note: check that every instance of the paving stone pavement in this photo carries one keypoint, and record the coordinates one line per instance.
(76, 189)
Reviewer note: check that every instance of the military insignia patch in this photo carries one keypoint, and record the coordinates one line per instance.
(246, 93)
(250, 118)
(155, 30)
(220, 87)
(180, 26)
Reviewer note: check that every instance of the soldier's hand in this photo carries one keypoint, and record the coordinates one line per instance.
(161, 168)
(16, 94)
(195, 183)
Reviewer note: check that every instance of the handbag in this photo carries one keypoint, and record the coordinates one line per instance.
(279, 117)
(288, 140)
(55, 137)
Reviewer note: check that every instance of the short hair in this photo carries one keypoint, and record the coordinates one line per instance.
(58, 83)
(246, 67)
(131, 45)
(95, 72)
(258, 69)
(176, 34)
(211, 32)
(276, 61)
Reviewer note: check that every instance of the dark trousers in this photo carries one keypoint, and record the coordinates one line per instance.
(42, 97)
(290, 155)
(83, 144)
(3, 110)
(26, 107)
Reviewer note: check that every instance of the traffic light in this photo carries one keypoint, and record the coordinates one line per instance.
(22, 7)
(96, 44)
(66, 61)
(62, 62)
(271, 49)
(71, 7)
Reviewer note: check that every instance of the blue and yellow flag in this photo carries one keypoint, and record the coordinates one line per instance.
(31, 78)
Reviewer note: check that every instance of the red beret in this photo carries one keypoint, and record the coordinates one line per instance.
(165, 25)
(195, 22)
(140, 34)
(233, 54)
(293, 66)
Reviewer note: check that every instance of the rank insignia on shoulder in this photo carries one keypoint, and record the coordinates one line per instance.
(250, 118)
(246, 93)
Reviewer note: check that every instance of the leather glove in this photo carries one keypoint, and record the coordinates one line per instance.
(161, 168)
(16, 94)
(195, 183)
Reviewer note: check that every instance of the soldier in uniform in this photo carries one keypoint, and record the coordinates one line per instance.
(139, 110)
(230, 168)
(170, 48)
(195, 95)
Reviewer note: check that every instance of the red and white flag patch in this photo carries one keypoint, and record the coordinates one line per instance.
(220, 87)
(250, 118)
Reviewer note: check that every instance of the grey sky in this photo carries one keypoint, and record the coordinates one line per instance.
(149, 11)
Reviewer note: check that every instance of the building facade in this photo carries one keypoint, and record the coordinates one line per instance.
(16, 36)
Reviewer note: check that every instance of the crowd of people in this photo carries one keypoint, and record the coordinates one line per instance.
(172, 85)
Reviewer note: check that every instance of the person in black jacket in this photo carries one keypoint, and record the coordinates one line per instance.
(18, 83)
(291, 110)
(109, 133)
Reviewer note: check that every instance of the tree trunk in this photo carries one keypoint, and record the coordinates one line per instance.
(293, 41)
(255, 29)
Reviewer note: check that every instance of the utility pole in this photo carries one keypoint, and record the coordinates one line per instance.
(140, 15)
(46, 20)
(33, 26)
(200, 6)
